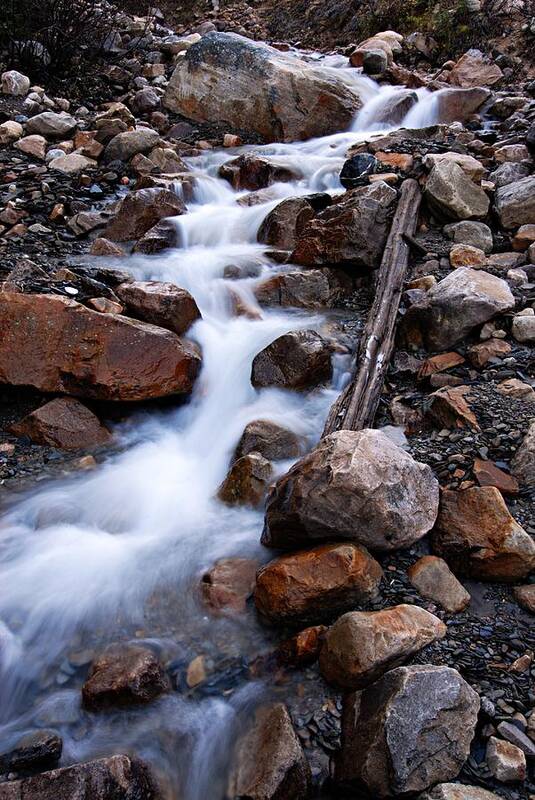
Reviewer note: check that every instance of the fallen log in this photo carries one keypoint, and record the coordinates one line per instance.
(356, 406)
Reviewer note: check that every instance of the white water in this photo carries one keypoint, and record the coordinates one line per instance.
(82, 561)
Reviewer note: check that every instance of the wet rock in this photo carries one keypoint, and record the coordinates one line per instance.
(161, 236)
(229, 584)
(357, 486)
(515, 203)
(316, 584)
(65, 423)
(362, 646)
(473, 69)
(58, 345)
(247, 481)
(449, 408)
(479, 538)
(15, 83)
(457, 105)
(159, 303)
(272, 441)
(36, 751)
(126, 144)
(451, 196)
(357, 169)
(311, 288)
(409, 730)
(302, 649)
(269, 760)
(523, 463)
(474, 234)
(506, 762)
(51, 125)
(283, 225)
(434, 580)
(253, 172)
(124, 675)
(457, 791)
(525, 597)
(296, 360)
(219, 71)
(140, 211)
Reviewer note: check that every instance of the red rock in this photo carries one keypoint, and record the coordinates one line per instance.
(123, 675)
(65, 423)
(253, 172)
(229, 584)
(162, 304)
(302, 649)
(488, 474)
(247, 481)
(481, 354)
(448, 407)
(105, 306)
(525, 597)
(439, 363)
(140, 211)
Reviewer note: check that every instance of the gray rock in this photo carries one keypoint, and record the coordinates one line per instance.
(506, 761)
(269, 439)
(523, 463)
(451, 196)
(127, 144)
(515, 203)
(515, 736)
(507, 173)
(457, 791)
(297, 360)
(15, 83)
(51, 125)
(475, 234)
(432, 577)
(35, 751)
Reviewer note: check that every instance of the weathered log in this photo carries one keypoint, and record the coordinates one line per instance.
(356, 406)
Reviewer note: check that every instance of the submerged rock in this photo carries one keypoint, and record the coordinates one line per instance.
(124, 675)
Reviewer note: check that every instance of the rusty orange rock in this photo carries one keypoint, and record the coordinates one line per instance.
(450, 409)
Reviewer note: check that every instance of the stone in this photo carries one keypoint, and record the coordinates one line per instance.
(487, 473)
(38, 750)
(161, 236)
(128, 143)
(506, 762)
(513, 734)
(32, 146)
(253, 172)
(512, 387)
(458, 791)
(361, 646)
(271, 440)
(51, 125)
(480, 354)
(124, 675)
(463, 255)
(269, 763)
(64, 423)
(515, 153)
(479, 538)
(357, 170)
(72, 164)
(523, 238)
(302, 649)
(57, 345)
(316, 584)
(247, 481)
(449, 408)
(458, 105)
(297, 360)
(310, 289)
(167, 161)
(469, 165)
(523, 327)
(451, 196)
(105, 306)
(469, 232)
(10, 132)
(409, 730)
(246, 85)
(15, 83)
(525, 597)
(434, 580)
(285, 222)
(160, 303)
(355, 486)
(507, 173)
(140, 211)
(474, 69)
(515, 203)
(146, 100)
(523, 463)
(228, 584)
(439, 363)
(114, 778)
(103, 247)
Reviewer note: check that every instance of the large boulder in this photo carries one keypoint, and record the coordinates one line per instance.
(361, 646)
(310, 288)
(57, 345)
(228, 79)
(357, 486)
(140, 211)
(296, 360)
(124, 675)
(474, 69)
(457, 105)
(408, 731)
(160, 303)
(515, 203)
(51, 125)
(269, 439)
(65, 423)
(128, 143)
(451, 196)
(253, 172)
(453, 307)
(479, 538)
(285, 222)
(269, 760)
(316, 584)
(523, 463)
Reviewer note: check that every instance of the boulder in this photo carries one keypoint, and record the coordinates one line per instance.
(269, 439)
(316, 584)
(357, 170)
(161, 236)
(525, 597)
(458, 791)
(51, 125)
(469, 165)
(515, 203)
(15, 83)
(363, 645)
(523, 327)
(507, 173)
(140, 211)
(253, 172)
(479, 538)
(38, 750)
(506, 761)
(451, 196)
(269, 762)
(408, 731)
(473, 69)
(311, 289)
(159, 303)
(285, 222)
(65, 423)
(124, 675)
(296, 360)
(434, 580)
(126, 144)
(474, 234)
(72, 164)
(523, 463)
(247, 481)
(246, 85)
(457, 105)
(10, 132)
(229, 584)
(449, 408)
(57, 345)
(357, 486)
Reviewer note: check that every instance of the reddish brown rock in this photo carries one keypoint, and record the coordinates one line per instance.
(105, 306)
(302, 649)
(311, 288)
(65, 423)
(58, 345)
(103, 247)
(449, 408)
(297, 360)
(432, 577)
(160, 237)
(480, 354)
(316, 584)
(487, 473)
(162, 304)
(475, 69)
(269, 439)
(439, 363)
(229, 584)
(525, 597)
(285, 223)
(247, 481)
(253, 172)
(479, 538)
(140, 211)
(124, 675)
(456, 105)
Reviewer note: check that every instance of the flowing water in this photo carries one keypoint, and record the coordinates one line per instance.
(117, 554)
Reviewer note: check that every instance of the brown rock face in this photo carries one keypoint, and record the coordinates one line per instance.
(65, 423)
(316, 584)
(162, 304)
(124, 675)
(229, 584)
(285, 223)
(253, 172)
(269, 439)
(432, 577)
(58, 345)
(456, 105)
(487, 473)
(303, 648)
(140, 211)
(481, 354)
(160, 237)
(269, 762)
(475, 69)
(247, 481)
(297, 360)
(357, 486)
(362, 646)
(409, 730)
(311, 288)
(478, 537)
(449, 408)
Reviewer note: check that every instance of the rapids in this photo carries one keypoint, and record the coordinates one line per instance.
(116, 554)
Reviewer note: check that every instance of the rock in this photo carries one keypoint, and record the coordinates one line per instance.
(114, 778)
(311, 289)
(351, 232)
(269, 439)
(269, 760)
(434, 580)
(357, 486)
(523, 327)
(51, 125)
(104, 305)
(508, 173)
(451, 196)
(506, 762)
(140, 211)
(479, 538)
(103, 247)
(10, 132)
(15, 83)
(518, 389)
(515, 203)
(32, 146)
(316, 584)
(229, 584)
(39, 750)
(475, 69)
(449, 408)
(124, 675)
(458, 303)
(515, 153)
(252, 172)
(525, 597)
(487, 473)
(247, 481)
(357, 170)
(302, 649)
(72, 164)
(285, 222)
(296, 360)
(523, 463)
(409, 730)
(469, 165)
(65, 423)
(457, 105)
(57, 345)
(161, 236)
(145, 101)
(513, 734)
(362, 646)
(159, 303)
(128, 143)
(480, 354)
(463, 255)
(523, 238)
(457, 791)
(286, 98)
(474, 234)
(439, 363)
